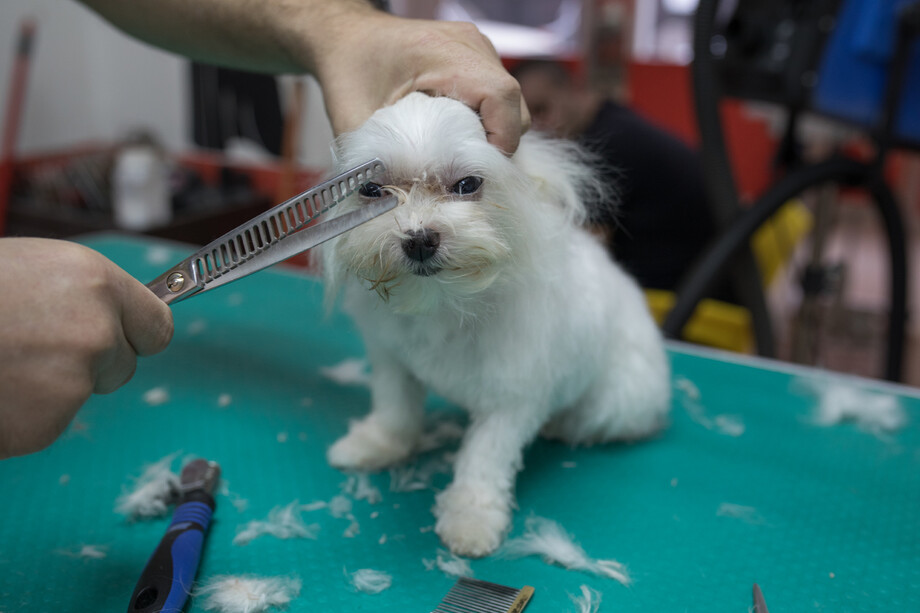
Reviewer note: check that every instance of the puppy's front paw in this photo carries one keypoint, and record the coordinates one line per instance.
(472, 521)
(369, 446)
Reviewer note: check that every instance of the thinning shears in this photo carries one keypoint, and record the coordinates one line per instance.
(273, 236)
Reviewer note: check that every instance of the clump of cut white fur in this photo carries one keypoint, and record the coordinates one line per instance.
(588, 602)
(840, 401)
(370, 581)
(352, 371)
(87, 552)
(547, 539)
(246, 594)
(152, 492)
(449, 564)
(691, 400)
(739, 511)
(359, 487)
(282, 522)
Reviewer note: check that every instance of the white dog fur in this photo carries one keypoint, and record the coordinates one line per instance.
(519, 316)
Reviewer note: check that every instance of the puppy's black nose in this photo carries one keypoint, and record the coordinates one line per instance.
(421, 244)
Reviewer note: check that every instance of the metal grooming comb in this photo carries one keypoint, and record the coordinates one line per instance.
(475, 596)
(273, 236)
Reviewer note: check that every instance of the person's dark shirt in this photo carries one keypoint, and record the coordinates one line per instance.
(662, 222)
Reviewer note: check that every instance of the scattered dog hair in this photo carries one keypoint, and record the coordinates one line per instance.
(238, 502)
(353, 371)
(156, 396)
(370, 581)
(353, 529)
(282, 437)
(246, 594)
(841, 401)
(196, 327)
(359, 487)
(87, 552)
(64, 479)
(439, 432)
(152, 491)
(449, 564)
(340, 506)
(690, 399)
(158, 255)
(588, 602)
(224, 400)
(315, 506)
(235, 299)
(746, 514)
(283, 523)
(547, 539)
(416, 478)
(382, 540)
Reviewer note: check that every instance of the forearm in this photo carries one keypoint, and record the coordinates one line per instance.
(273, 36)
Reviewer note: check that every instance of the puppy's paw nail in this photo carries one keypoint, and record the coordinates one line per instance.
(367, 446)
(471, 525)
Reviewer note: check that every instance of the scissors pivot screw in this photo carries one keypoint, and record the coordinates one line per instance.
(175, 281)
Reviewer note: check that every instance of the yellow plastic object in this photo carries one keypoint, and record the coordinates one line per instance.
(728, 326)
(775, 241)
(714, 323)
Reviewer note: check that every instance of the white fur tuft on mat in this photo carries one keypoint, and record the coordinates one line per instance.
(547, 539)
(588, 602)
(152, 491)
(449, 564)
(282, 522)
(370, 581)
(246, 594)
(839, 400)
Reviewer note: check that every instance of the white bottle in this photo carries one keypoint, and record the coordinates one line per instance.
(140, 189)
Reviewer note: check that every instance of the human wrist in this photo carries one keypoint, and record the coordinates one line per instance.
(314, 32)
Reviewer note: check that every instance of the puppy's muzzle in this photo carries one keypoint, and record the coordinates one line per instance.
(420, 246)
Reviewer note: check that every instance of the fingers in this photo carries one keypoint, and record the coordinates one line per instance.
(449, 59)
(115, 367)
(147, 320)
(142, 325)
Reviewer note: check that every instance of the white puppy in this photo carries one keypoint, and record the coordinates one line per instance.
(482, 286)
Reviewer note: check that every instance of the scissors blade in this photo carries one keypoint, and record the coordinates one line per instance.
(308, 238)
(258, 243)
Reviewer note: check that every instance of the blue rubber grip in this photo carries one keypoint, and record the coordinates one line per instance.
(167, 579)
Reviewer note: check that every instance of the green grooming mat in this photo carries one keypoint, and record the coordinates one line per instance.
(742, 488)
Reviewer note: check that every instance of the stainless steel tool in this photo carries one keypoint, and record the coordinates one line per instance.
(276, 235)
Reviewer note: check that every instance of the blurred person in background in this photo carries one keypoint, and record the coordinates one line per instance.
(660, 221)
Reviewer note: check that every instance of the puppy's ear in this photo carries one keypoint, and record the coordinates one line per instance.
(566, 173)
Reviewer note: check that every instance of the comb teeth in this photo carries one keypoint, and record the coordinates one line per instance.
(474, 596)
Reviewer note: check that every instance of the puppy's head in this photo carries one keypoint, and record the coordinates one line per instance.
(449, 238)
(469, 216)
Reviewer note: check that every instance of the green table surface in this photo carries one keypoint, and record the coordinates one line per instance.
(830, 516)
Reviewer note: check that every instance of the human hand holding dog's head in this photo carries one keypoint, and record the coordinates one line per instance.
(377, 59)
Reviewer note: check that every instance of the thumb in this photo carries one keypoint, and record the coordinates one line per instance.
(147, 321)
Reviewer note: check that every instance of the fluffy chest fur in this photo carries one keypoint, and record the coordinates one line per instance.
(539, 339)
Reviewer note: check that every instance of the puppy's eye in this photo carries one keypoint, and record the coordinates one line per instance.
(371, 190)
(467, 186)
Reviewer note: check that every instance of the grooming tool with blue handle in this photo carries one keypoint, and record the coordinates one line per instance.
(167, 579)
